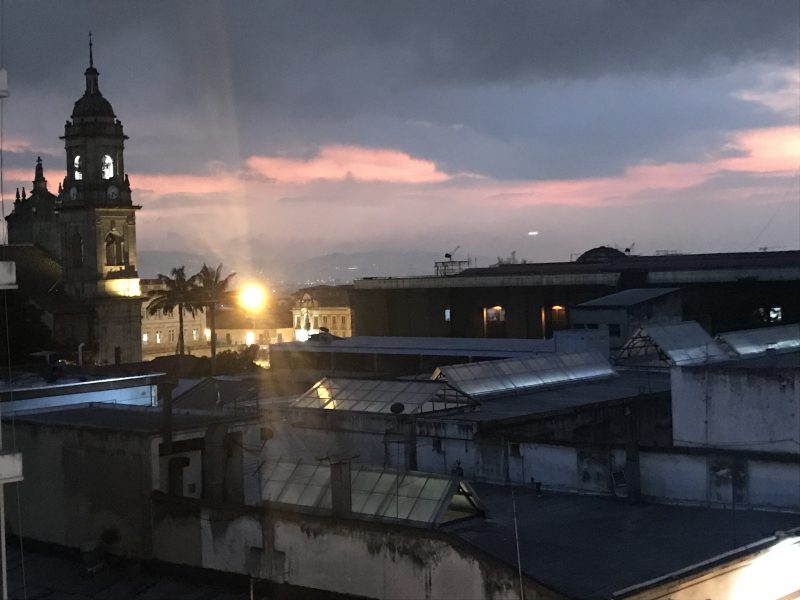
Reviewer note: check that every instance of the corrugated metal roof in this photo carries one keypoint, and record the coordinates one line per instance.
(629, 297)
(685, 343)
(516, 375)
(756, 341)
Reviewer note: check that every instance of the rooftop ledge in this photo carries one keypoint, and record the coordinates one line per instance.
(10, 467)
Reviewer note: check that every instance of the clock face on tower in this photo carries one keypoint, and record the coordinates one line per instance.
(113, 192)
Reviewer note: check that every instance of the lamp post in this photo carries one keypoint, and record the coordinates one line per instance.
(252, 298)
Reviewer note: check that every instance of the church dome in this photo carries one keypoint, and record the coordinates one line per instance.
(601, 254)
(92, 103)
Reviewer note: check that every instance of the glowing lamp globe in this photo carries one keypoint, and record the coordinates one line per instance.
(252, 297)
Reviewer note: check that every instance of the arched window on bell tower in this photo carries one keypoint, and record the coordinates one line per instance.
(78, 169)
(115, 247)
(107, 169)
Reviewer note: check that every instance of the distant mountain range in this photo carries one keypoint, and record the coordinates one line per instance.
(334, 268)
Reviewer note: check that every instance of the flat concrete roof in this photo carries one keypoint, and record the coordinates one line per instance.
(52, 573)
(672, 268)
(588, 547)
(33, 385)
(138, 420)
(428, 346)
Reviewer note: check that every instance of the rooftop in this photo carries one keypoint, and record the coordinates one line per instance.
(756, 341)
(630, 297)
(486, 348)
(726, 260)
(588, 547)
(682, 343)
(71, 381)
(137, 420)
(388, 396)
(56, 574)
(732, 266)
(515, 375)
(410, 497)
(628, 384)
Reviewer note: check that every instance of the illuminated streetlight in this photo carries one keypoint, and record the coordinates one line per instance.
(252, 298)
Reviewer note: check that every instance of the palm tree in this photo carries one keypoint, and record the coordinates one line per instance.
(211, 289)
(177, 292)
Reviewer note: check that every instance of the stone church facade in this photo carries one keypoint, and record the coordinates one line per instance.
(87, 229)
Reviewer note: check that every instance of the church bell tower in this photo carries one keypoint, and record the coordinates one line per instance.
(97, 222)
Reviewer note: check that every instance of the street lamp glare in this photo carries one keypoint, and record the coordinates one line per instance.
(252, 297)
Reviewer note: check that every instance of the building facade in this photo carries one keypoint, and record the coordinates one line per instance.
(723, 292)
(311, 315)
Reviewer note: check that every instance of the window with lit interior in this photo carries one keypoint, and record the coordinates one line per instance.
(76, 164)
(107, 167)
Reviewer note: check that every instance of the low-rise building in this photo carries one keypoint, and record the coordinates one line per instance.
(160, 331)
(322, 312)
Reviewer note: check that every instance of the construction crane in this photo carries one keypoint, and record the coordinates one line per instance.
(449, 255)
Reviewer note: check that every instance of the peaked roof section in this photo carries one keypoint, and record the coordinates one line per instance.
(685, 343)
(628, 297)
(383, 396)
(757, 341)
(411, 497)
(513, 375)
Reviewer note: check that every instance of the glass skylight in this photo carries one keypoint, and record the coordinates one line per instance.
(522, 374)
(412, 496)
(378, 396)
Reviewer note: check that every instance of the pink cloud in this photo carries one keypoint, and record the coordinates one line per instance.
(769, 150)
(164, 184)
(338, 163)
(773, 150)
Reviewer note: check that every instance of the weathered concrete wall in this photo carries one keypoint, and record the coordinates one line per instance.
(340, 555)
(753, 481)
(80, 484)
(754, 409)
(676, 477)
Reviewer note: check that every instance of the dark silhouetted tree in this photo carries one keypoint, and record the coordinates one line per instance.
(211, 291)
(177, 292)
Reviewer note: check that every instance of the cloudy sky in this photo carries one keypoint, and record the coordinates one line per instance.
(261, 131)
